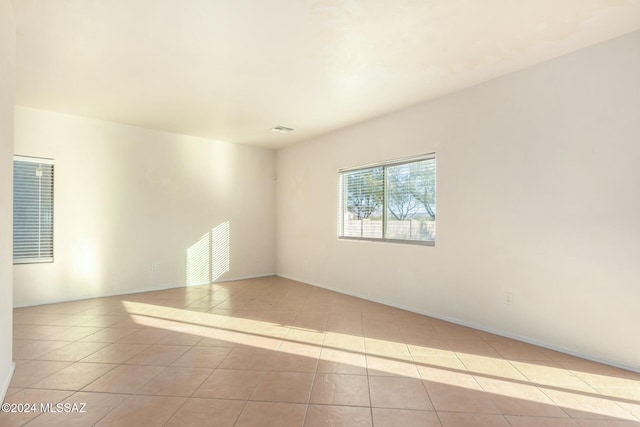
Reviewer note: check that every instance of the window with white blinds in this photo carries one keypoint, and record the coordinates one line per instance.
(393, 201)
(32, 210)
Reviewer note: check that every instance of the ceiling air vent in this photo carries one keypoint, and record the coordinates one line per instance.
(282, 129)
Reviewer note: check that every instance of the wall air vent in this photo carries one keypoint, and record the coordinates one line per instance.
(282, 129)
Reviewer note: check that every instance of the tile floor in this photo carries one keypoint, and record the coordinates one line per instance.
(274, 352)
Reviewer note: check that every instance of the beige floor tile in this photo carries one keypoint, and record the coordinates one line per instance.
(549, 374)
(451, 335)
(311, 321)
(345, 322)
(12, 390)
(28, 373)
(34, 332)
(73, 352)
(110, 335)
(399, 393)
(587, 403)
(29, 397)
(105, 321)
(556, 356)
(473, 348)
(632, 407)
(292, 387)
(22, 318)
(231, 305)
(627, 398)
(203, 357)
(340, 389)
(115, 353)
(514, 398)
(405, 418)
(447, 397)
(440, 369)
(260, 414)
(124, 379)
(602, 380)
(524, 421)
(381, 331)
(261, 342)
(515, 350)
(342, 362)
(228, 339)
(158, 355)
(229, 384)
(94, 405)
(454, 379)
(197, 412)
(621, 394)
(181, 338)
(598, 375)
(74, 319)
(222, 311)
(294, 363)
(337, 416)
(143, 411)
(296, 357)
(449, 419)
(249, 358)
(340, 304)
(490, 369)
(73, 333)
(607, 423)
(74, 377)
(302, 349)
(346, 342)
(176, 381)
(35, 349)
(317, 305)
(378, 347)
(305, 336)
(391, 366)
(19, 343)
(144, 336)
(104, 308)
(267, 330)
(435, 349)
(246, 352)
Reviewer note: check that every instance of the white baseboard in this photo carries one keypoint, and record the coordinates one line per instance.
(135, 291)
(472, 325)
(103, 295)
(233, 279)
(7, 381)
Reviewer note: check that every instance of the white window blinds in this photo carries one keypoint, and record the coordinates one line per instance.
(411, 201)
(363, 196)
(32, 210)
(393, 201)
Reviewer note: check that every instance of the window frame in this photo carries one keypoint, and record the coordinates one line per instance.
(384, 166)
(40, 259)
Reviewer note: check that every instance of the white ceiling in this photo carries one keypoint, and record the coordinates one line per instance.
(232, 69)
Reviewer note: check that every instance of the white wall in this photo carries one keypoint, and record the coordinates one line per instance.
(127, 197)
(7, 74)
(538, 194)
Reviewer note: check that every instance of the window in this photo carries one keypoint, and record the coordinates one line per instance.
(394, 201)
(32, 210)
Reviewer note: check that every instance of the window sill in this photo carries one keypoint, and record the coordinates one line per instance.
(406, 242)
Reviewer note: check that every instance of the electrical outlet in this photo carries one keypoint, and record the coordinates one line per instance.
(508, 298)
(154, 266)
